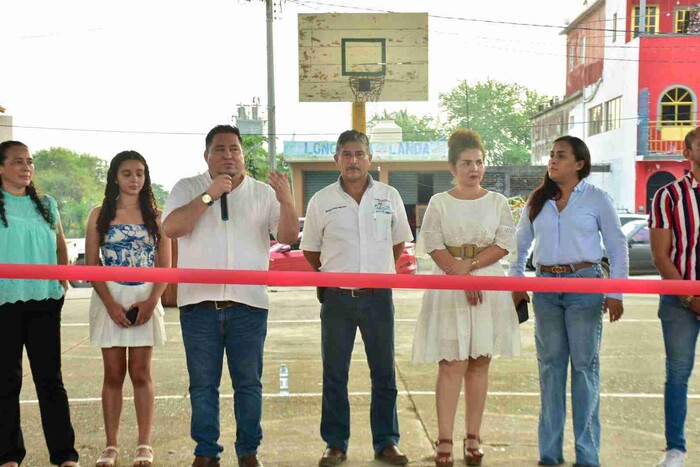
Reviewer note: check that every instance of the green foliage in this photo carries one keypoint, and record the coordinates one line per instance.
(415, 128)
(499, 112)
(257, 164)
(160, 193)
(76, 181)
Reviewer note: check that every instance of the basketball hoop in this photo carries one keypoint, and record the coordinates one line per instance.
(366, 88)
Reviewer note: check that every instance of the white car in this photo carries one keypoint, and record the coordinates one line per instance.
(76, 256)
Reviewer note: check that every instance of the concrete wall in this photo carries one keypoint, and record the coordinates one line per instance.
(5, 127)
(588, 69)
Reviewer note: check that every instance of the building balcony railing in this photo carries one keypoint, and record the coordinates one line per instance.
(664, 137)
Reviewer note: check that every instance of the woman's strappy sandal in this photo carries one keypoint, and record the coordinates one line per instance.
(443, 459)
(143, 460)
(473, 456)
(105, 459)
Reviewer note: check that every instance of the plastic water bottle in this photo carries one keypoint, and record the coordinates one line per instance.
(284, 380)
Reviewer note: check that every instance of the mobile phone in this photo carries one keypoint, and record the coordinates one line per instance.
(132, 313)
(521, 309)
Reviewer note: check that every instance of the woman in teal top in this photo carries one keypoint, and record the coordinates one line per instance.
(30, 311)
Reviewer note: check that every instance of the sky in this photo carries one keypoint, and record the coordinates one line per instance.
(154, 76)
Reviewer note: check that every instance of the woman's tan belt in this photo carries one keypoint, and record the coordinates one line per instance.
(466, 250)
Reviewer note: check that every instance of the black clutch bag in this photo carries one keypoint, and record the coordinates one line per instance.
(522, 311)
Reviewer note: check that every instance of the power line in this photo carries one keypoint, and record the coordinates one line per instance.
(589, 57)
(606, 46)
(513, 23)
(654, 118)
(453, 18)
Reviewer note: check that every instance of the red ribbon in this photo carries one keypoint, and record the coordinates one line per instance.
(359, 280)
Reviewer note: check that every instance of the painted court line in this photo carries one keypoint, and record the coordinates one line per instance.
(398, 320)
(302, 395)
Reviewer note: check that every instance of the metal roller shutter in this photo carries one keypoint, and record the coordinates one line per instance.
(442, 181)
(315, 181)
(407, 185)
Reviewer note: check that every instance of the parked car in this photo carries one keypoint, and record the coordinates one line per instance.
(641, 260)
(291, 258)
(625, 218)
(76, 255)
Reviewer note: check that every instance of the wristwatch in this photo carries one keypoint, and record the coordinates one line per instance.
(206, 199)
(686, 300)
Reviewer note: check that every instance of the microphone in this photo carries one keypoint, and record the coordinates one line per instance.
(224, 208)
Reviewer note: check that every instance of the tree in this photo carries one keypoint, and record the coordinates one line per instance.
(160, 193)
(76, 181)
(257, 162)
(499, 112)
(415, 128)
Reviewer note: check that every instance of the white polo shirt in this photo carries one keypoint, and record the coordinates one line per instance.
(242, 242)
(356, 237)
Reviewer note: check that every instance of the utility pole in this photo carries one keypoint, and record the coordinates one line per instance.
(642, 18)
(466, 100)
(271, 125)
(271, 109)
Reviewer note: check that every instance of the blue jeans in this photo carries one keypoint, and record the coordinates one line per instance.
(240, 331)
(341, 315)
(680, 328)
(568, 326)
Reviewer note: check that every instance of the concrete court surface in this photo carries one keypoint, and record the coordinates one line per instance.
(631, 386)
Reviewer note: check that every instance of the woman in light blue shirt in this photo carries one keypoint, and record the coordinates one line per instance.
(566, 217)
(30, 311)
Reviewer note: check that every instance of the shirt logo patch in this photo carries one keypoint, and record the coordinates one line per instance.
(382, 206)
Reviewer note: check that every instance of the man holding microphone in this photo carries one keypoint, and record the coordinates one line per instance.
(232, 318)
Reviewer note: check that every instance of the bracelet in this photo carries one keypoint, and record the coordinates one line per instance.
(475, 263)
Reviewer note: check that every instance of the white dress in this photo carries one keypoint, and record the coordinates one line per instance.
(126, 245)
(448, 327)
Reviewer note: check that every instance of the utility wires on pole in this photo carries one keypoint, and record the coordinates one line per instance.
(271, 108)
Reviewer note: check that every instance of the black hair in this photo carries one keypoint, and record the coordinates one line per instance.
(147, 201)
(351, 136)
(549, 189)
(221, 129)
(39, 200)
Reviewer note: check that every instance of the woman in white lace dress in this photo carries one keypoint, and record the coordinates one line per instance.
(466, 231)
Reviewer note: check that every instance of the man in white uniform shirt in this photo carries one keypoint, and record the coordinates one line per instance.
(357, 225)
(232, 318)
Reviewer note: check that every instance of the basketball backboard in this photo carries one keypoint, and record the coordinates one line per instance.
(337, 47)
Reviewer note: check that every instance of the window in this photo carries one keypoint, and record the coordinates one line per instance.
(640, 236)
(682, 21)
(572, 122)
(582, 51)
(677, 108)
(572, 54)
(613, 113)
(651, 20)
(614, 26)
(595, 120)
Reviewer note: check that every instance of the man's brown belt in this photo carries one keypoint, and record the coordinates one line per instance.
(219, 304)
(565, 268)
(467, 250)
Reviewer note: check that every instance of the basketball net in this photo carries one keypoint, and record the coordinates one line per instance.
(364, 88)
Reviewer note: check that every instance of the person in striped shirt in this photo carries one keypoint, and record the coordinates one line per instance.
(675, 230)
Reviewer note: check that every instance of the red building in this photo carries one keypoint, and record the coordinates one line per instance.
(631, 96)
